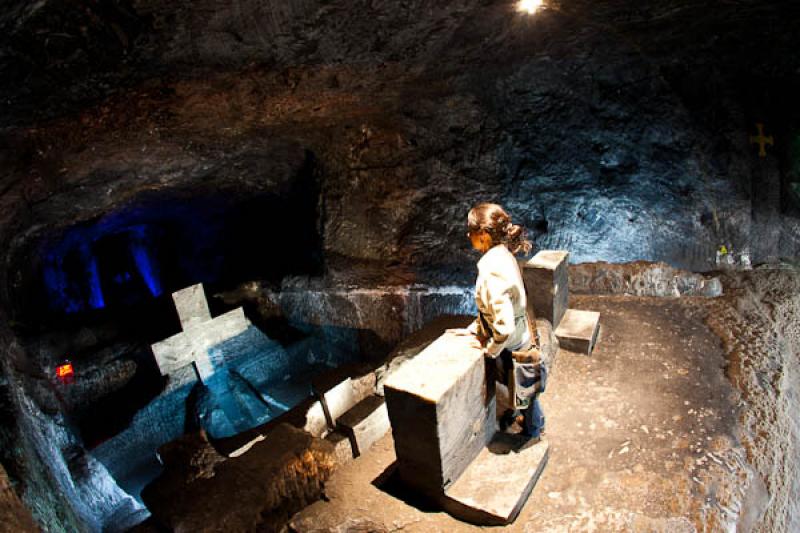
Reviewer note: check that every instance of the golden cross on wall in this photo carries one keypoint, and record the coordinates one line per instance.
(762, 141)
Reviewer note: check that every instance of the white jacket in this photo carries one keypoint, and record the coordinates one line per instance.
(500, 296)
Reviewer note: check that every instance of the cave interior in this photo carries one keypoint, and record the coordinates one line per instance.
(313, 161)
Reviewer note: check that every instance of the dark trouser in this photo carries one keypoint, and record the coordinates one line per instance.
(533, 416)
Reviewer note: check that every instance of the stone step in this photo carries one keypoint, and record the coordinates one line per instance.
(337, 392)
(578, 331)
(496, 485)
(365, 423)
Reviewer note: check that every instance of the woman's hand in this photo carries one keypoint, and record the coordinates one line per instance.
(460, 332)
(490, 355)
(475, 342)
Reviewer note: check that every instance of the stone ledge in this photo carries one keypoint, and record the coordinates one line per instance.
(365, 423)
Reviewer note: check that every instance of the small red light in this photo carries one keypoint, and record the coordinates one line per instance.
(65, 373)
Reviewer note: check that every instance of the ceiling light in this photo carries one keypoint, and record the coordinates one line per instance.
(529, 6)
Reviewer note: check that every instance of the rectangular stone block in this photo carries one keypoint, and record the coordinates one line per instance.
(173, 353)
(578, 331)
(497, 484)
(224, 327)
(441, 412)
(191, 305)
(365, 423)
(546, 279)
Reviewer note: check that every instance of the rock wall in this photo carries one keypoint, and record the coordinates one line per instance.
(14, 516)
(393, 312)
(759, 324)
(64, 486)
(380, 316)
(597, 131)
(640, 279)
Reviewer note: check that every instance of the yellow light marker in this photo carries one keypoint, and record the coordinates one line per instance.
(529, 6)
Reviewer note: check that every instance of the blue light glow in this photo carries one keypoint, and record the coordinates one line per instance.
(144, 262)
(55, 281)
(76, 275)
(96, 300)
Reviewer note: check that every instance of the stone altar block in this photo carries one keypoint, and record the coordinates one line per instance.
(442, 408)
(546, 281)
(200, 332)
(442, 412)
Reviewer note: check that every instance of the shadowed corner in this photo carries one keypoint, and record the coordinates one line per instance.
(389, 482)
(506, 443)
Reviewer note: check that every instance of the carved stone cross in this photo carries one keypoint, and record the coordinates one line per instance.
(200, 332)
(761, 140)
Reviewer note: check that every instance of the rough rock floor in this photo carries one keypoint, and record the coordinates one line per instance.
(642, 434)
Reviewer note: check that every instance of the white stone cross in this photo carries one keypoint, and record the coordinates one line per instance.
(200, 332)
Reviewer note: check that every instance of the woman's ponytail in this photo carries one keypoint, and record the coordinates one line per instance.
(516, 241)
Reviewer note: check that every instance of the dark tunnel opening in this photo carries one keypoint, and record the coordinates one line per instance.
(132, 259)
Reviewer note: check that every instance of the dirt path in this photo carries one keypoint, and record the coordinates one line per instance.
(642, 438)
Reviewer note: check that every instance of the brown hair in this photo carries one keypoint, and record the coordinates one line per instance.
(494, 220)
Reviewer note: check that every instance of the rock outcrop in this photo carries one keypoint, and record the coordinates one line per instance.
(258, 491)
(65, 487)
(758, 322)
(641, 279)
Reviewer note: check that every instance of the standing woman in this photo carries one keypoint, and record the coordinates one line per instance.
(502, 325)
